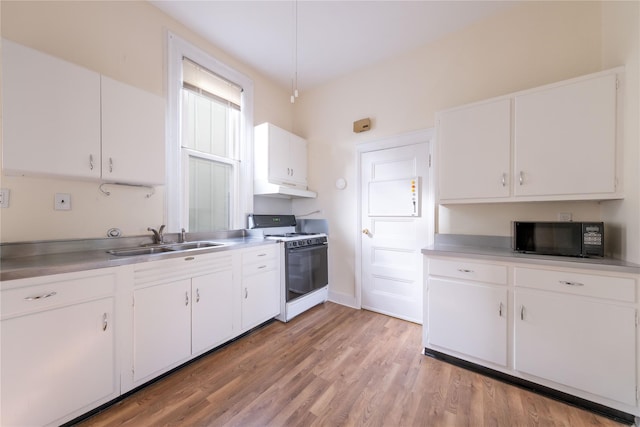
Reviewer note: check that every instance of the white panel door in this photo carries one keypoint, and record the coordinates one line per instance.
(578, 342)
(391, 258)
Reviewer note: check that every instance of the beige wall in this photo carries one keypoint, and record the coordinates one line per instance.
(124, 40)
(527, 46)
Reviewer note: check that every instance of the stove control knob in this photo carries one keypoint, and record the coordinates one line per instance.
(309, 242)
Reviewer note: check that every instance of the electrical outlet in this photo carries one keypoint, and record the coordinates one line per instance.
(564, 216)
(4, 197)
(62, 202)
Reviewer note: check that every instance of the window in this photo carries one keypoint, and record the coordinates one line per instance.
(209, 183)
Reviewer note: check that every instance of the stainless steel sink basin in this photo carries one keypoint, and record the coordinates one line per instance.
(140, 251)
(192, 245)
(171, 247)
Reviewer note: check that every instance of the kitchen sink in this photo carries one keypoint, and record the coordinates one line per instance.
(192, 245)
(140, 251)
(171, 247)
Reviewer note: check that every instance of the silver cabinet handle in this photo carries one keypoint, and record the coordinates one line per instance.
(246, 293)
(504, 179)
(186, 298)
(262, 254)
(500, 310)
(90, 161)
(104, 322)
(521, 179)
(197, 295)
(464, 270)
(110, 164)
(564, 282)
(37, 297)
(189, 258)
(261, 267)
(522, 312)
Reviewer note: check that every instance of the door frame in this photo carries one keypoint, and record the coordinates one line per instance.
(396, 141)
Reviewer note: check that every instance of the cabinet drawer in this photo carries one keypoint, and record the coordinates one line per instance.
(259, 267)
(609, 287)
(460, 269)
(59, 293)
(263, 253)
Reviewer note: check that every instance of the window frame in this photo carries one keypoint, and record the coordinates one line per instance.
(176, 211)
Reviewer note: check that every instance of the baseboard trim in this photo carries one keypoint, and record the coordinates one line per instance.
(597, 408)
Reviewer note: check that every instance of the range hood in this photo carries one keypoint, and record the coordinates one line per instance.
(263, 188)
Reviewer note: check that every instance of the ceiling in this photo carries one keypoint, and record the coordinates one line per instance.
(333, 37)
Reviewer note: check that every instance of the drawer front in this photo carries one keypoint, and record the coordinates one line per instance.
(609, 287)
(260, 267)
(55, 294)
(261, 254)
(461, 269)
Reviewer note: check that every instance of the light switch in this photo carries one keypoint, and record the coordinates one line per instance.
(63, 202)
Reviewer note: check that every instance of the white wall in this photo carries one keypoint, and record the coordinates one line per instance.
(527, 46)
(125, 40)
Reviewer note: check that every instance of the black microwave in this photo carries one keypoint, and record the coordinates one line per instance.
(579, 239)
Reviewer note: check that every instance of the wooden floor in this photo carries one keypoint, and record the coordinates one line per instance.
(335, 366)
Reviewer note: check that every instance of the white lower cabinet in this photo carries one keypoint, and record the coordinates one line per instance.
(58, 347)
(574, 330)
(161, 327)
(212, 310)
(181, 308)
(581, 343)
(468, 318)
(260, 285)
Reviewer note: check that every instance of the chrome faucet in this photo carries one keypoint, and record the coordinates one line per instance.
(158, 237)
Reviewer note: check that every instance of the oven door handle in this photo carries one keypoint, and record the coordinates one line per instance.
(307, 248)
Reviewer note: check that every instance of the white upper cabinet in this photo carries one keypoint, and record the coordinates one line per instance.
(565, 139)
(280, 157)
(557, 142)
(60, 119)
(474, 151)
(51, 115)
(132, 134)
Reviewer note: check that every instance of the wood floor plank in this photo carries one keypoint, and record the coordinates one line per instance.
(335, 366)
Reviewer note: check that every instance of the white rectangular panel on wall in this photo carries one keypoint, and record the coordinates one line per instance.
(399, 197)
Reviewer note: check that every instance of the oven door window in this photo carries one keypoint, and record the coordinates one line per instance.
(306, 270)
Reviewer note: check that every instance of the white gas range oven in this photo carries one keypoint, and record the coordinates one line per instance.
(304, 273)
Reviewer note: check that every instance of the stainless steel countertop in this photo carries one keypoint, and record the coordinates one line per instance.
(32, 259)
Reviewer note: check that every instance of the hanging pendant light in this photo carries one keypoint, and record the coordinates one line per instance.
(294, 80)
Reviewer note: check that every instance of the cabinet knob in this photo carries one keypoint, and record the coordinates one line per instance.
(521, 178)
(504, 179)
(105, 323)
(366, 231)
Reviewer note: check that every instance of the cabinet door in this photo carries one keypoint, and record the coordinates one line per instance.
(298, 161)
(260, 298)
(279, 167)
(212, 313)
(565, 139)
(51, 115)
(161, 327)
(578, 342)
(468, 318)
(56, 362)
(475, 150)
(133, 145)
